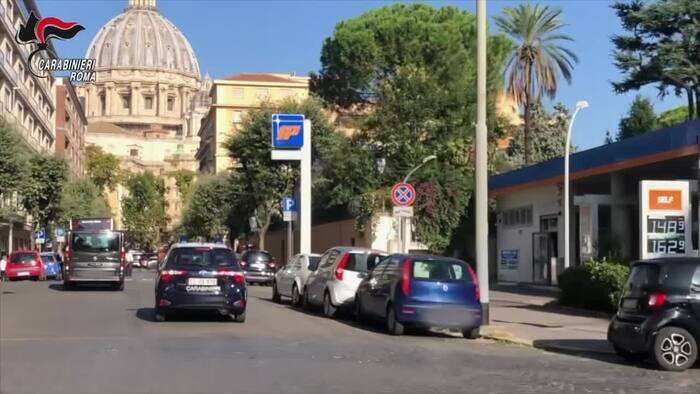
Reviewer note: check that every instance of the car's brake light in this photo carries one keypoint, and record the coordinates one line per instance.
(122, 257)
(657, 300)
(475, 280)
(167, 276)
(341, 266)
(236, 276)
(406, 277)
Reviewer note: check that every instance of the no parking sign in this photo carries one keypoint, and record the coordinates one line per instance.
(403, 194)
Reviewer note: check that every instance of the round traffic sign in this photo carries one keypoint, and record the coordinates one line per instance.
(403, 194)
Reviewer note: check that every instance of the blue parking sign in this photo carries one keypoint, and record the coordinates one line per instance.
(289, 204)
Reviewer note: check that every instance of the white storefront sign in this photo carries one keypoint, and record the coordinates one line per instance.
(665, 219)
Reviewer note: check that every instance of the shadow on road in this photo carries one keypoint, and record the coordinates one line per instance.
(148, 315)
(347, 317)
(90, 287)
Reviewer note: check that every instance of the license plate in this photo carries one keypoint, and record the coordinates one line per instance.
(202, 289)
(23, 274)
(629, 304)
(201, 281)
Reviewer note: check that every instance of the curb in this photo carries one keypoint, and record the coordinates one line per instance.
(502, 335)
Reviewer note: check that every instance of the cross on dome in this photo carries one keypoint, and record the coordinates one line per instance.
(142, 3)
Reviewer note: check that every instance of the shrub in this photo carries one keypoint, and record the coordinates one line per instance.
(596, 284)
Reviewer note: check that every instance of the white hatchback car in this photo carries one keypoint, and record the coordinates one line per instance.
(338, 276)
(290, 280)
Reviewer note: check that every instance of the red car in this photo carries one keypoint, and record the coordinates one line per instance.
(24, 264)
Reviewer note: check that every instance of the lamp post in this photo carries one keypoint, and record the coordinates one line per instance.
(579, 106)
(402, 223)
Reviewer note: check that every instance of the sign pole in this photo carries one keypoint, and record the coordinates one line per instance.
(290, 241)
(305, 195)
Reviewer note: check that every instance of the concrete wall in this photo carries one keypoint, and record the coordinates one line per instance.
(545, 201)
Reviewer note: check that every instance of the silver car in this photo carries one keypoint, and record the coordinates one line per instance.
(289, 281)
(338, 276)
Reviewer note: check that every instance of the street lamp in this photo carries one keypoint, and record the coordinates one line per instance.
(381, 165)
(425, 160)
(579, 106)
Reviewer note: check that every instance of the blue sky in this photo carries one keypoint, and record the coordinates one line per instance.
(231, 36)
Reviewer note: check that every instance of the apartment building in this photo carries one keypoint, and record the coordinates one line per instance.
(232, 97)
(71, 125)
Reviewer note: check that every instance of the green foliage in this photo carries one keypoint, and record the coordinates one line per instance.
(660, 49)
(41, 195)
(81, 198)
(596, 284)
(673, 116)
(14, 154)
(144, 209)
(538, 59)
(184, 180)
(102, 167)
(548, 137)
(207, 211)
(259, 182)
(640, 119)
(411, 70)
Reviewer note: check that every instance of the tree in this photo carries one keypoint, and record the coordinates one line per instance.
(207, 211)
(534, 66)
(184, 180)
(549, 136)
(41, 195)
(81, 198)
(640, 119)
(409, 70)
(673, 116)
(13, 166)
(661, 49)
(102, 167)
(144, 209)
(259, 181)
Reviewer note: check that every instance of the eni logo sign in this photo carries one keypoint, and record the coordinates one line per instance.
(665, 200)
(287, 131)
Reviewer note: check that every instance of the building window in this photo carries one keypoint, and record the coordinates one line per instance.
(238, 93)
(171, 103)
(148, 102)
(517, 217)
(126, 100)
(263, 94)
(134, 152)
(237, 116)
(103, 104)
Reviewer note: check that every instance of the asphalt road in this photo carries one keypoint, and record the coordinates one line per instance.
(101, 341)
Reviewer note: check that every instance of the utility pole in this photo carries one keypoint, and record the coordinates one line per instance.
(481, 198)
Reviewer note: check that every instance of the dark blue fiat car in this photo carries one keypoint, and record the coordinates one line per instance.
(421, 291)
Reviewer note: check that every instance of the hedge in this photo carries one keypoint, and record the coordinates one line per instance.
(596, 284)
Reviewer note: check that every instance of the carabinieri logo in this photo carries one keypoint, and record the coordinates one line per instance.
(39, 31)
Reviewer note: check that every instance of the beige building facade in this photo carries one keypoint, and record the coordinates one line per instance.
(149, 98)
(231, 98)
(71, 126)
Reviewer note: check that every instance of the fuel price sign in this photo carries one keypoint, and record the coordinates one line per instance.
(665, 218)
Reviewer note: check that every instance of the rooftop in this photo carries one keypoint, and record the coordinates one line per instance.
(264, 77)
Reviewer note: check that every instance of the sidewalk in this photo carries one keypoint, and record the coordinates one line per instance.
(528, 316)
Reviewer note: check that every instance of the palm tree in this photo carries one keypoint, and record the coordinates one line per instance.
(537, 60)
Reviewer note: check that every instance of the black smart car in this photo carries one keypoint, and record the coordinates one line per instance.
(195, 276)
(659, 313)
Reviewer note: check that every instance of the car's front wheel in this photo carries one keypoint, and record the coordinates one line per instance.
(328, 309)
(275, 294)
(675, 349)
(296, 297)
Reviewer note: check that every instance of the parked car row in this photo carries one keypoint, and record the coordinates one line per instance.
(402, 290)
(29, 264)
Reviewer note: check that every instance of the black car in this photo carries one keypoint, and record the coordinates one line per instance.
(259, 266)
(200, 277)
(94, 256)
(659, 313)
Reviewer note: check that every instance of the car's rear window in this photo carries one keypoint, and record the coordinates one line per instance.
(253, 257)
(362, 262)
(95, 242)
(21, 258)
(643, 275)
(201, 258)
(313, 262)
(48, 258)
(440, 271)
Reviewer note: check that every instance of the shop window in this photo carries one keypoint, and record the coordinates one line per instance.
(517, 217)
